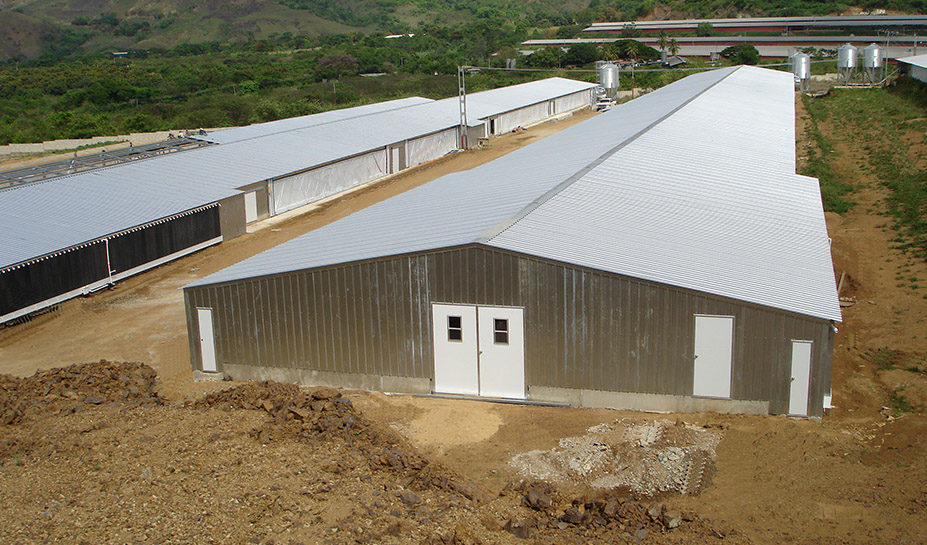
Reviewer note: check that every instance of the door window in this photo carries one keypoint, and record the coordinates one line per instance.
(454, 329)
(500, 331)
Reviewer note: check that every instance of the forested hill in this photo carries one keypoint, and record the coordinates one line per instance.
(30, 29)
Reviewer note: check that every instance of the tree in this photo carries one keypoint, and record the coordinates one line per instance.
(673, 47)
(612, 51)
(632, 49)
(548, 57)
(567, 32)
(704, 29)
(662, 40)
(630, 31)
(581, 54)
(335, 66)
(741, 54)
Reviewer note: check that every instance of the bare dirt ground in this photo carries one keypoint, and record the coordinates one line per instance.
(180, 462)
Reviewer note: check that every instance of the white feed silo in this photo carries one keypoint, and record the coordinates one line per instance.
(801, 68)
(847, 61)
(607, 73)
(872, 62)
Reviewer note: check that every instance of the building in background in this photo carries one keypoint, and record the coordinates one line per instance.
(73, 234)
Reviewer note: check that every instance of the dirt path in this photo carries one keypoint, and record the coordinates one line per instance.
(142, 318)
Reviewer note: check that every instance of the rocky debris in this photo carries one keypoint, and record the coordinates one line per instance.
(537, 496)
(604, 513)
(644, 458)
(410, 498)
(325, 414)
(317, 471)
(68, 389)
(303, 412)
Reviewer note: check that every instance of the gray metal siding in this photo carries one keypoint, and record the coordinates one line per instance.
(232, 217)
(583, 328)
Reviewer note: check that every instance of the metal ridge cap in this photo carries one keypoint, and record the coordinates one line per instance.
(368, 114)
(533, 205)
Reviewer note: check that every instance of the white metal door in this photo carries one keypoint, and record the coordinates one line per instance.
(207, 342)
(713, 350)
(394, 160)
(502, 352)
(250, 206)
(456, 352)
(801, 378)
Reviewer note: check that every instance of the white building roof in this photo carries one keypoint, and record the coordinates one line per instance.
(49, 216)
(238, 134)
(916, 60)
(693, 186)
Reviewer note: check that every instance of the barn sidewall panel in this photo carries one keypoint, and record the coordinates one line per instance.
(584, 329)
(150, 243)
(573, 101)
(42, 280)
(232, 221)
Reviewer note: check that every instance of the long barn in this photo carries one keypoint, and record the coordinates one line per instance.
(663, 255)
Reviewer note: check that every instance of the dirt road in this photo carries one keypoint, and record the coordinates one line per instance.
(860, 476)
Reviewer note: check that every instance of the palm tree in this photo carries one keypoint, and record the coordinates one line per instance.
(673, 47)
(662, 40)
(632, 49)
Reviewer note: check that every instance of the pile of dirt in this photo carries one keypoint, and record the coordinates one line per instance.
(70, 389)
(268, 463)
(325, 414)
(321, 410)
(643, 458)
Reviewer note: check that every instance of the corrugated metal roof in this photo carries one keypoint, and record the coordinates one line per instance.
(480, 105)
(237, 134)
(55, 214)
(916, 60)
(484, 104)
(693, 185)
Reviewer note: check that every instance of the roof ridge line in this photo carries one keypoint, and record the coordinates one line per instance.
(505, 224)
(324, 122)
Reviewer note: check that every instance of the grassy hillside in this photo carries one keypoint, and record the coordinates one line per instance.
(81, 27)
(21, 35)
(57, 28)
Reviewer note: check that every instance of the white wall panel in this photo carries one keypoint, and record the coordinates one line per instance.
(294, 191)
(432, 146)
(572, 102)
(521, 117)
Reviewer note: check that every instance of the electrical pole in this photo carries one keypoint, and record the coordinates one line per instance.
(462, 99)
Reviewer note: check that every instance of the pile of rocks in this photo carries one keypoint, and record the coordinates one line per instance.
(70, 389)
(606, 512)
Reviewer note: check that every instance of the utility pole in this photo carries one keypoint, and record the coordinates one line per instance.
(462, 99)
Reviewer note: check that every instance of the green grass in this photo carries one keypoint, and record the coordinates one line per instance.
(880, 121)
(898, 402)
(883, 356)
(834, 190)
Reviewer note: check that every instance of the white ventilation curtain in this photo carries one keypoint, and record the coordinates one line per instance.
(574, 101)
(431, 147)
(315, 184)
(521, 117)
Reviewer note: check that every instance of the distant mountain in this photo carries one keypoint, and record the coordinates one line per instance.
(58, 28)
(26, 26)
(31, 27)
(21, 35)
